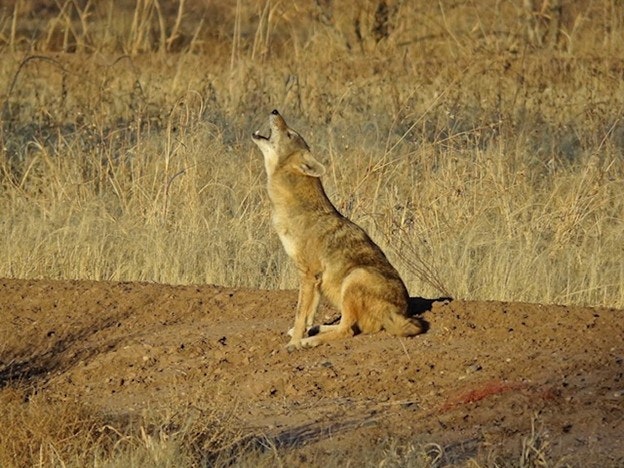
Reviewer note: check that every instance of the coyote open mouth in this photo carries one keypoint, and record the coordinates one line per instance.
(257, 136)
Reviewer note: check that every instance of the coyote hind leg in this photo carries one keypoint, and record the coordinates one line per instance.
(328, 333)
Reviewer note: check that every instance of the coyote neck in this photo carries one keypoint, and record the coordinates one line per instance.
(291, 193)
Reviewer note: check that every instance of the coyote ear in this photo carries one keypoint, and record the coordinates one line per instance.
(310, 166)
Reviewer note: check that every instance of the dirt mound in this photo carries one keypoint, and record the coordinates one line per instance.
(475, 383)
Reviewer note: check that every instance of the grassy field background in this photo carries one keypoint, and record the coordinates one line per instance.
(480, 143)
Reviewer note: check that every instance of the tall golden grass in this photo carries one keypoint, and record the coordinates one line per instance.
(486, 159)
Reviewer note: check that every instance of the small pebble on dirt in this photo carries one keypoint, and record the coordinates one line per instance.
(473, 368)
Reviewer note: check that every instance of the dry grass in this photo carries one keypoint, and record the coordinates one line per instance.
(481, 149)
(488, 166)
(40, 432)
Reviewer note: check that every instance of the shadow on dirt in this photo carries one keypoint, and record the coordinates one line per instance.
(292, 437)
(298, 436)
(419, 305)
(57, 358)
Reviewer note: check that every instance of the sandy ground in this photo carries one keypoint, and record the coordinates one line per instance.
(473, 384)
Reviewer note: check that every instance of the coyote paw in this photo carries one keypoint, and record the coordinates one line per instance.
(294, 345)
(311, 342)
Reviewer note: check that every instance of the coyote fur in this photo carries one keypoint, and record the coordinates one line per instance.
(334, 256)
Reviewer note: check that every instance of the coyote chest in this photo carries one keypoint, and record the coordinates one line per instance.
(287, 237)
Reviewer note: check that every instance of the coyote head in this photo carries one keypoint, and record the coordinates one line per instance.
(285, 147)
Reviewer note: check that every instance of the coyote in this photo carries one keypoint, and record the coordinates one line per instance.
(334, 256)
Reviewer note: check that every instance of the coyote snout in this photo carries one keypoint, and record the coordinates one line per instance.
(334, 256)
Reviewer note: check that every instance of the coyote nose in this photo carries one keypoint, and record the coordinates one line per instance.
(274, 112)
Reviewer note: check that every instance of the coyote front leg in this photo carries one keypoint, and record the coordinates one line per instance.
(309, 298)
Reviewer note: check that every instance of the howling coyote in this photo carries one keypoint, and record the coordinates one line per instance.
(334, 256)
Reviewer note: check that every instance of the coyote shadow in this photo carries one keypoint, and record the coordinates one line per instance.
(417, 306)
